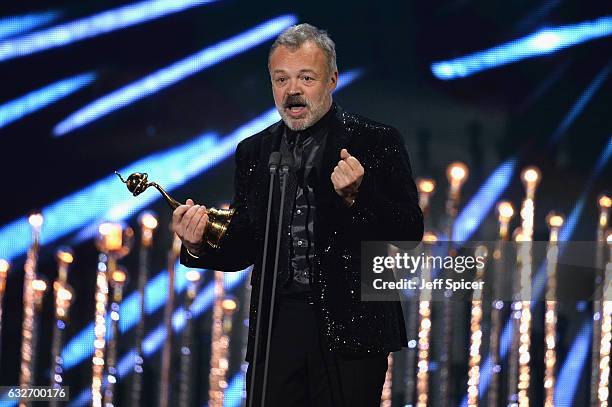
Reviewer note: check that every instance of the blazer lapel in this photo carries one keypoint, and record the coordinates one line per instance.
(336, 140)
(270, 142)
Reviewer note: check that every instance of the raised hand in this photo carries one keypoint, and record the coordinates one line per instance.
(347, 176)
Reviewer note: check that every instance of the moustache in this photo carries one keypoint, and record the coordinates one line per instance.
(293, 101)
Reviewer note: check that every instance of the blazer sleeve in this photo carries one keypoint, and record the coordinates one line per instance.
(237, 247)
(386, 207)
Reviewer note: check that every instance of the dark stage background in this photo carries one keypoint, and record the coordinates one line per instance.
(551, 109)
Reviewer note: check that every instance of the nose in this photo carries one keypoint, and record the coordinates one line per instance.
(294, 88)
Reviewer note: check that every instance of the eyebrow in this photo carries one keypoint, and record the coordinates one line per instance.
(301, 71)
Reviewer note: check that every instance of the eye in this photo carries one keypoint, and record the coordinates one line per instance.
(281, 79)
(308, 78)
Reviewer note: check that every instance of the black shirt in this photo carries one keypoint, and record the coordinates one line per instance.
(307, 147)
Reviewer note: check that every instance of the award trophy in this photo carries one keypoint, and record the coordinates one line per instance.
(218, 219)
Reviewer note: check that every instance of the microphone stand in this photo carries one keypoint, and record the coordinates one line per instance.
(273, 163)
(286, 164)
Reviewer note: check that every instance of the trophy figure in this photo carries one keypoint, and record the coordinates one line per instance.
(219, 219)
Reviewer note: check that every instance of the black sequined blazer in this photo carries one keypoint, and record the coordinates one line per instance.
(386, 208)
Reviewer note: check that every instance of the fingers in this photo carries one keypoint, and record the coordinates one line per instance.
(354, 164)
(351, 168)
(177, 217)
(342, 173)
(180, 219)
(201, 226)
(189, 222)
(344, 167)
(347, 175)
(178, 213)
(337, 182)
(187, 219)
(190, 232)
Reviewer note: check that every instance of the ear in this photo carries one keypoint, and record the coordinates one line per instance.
(333, 81)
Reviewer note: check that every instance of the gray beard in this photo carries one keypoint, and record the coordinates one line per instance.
(305, 123)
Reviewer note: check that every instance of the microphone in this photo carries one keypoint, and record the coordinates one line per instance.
(286, 165)
(273, 163)
(275, 159)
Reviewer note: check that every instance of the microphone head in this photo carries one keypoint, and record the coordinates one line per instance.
(274, 161)
(275, 158)
(286, 162)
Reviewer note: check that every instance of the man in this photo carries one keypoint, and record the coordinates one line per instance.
(351, 182)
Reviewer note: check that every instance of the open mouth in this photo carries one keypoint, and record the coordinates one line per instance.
(295, 109)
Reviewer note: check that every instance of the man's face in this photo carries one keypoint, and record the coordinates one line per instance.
(301, 84)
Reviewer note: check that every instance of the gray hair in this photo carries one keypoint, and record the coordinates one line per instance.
(294, 36)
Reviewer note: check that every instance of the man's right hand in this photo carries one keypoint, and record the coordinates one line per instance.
(189, 222)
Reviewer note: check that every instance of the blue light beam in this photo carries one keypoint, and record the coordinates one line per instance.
(573, 368)
(92, 26)
(91, 204)
(542, 42)
(10, 26)
(581, 103)
(480, 204)
(173, 73)
(40, 98)
(574, 216)
(233, 394)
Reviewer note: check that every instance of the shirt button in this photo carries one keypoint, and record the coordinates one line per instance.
(299, 211)
(300, 242)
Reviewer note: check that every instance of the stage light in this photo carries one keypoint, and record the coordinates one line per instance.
(171, 168)
(174, 73)
(457, 173)
(429, 237)
(40, 98)
(36, 220)
(148, 220)
(425, 185)
(506, 211)
(92, 26)
(65, 255)
(193, 275)
(14, 25)
(539, 43)
(39, 285)
(472, 215)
